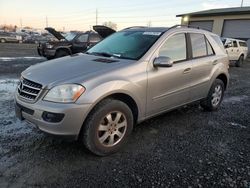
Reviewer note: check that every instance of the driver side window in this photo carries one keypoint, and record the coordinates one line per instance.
(175, 48)
(82, 38)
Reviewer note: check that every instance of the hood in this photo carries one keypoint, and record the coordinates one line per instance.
(103, 31)
(78, 67)
(55, 33)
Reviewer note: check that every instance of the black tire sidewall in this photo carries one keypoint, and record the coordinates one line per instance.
(91, 127)
(61, 53)
(240, 61)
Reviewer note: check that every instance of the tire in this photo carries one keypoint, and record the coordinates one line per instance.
(215, 96)
(107, 119)
(240, 61)
(61, 53)
(2, 40)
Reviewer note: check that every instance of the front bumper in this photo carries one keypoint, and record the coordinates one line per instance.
(70, 125)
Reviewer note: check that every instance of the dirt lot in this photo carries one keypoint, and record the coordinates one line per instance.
(184, 148)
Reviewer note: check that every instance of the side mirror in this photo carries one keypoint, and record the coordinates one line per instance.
(228, 45)
(163, 61)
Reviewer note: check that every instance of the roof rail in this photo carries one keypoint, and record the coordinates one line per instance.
(132, 27)
(179, 25)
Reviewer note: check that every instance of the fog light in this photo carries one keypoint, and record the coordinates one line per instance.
(52, 117)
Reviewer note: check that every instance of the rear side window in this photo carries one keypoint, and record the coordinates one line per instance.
(210, 50)
(243, 44)
(175, 48)
(83, 38)
(199, 45)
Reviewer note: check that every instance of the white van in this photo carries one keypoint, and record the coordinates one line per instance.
(237, 50)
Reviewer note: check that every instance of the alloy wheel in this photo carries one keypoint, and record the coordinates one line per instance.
(217, 95)
(112, 129)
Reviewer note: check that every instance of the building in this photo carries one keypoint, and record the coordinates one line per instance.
(225, 22)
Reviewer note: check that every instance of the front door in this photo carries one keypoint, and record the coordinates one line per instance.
(80, 43)
(168, 87)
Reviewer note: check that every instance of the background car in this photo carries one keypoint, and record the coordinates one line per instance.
(35, 39)
(237, 50)
(9, 37)
(72, 42)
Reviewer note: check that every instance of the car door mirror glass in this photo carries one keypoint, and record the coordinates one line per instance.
(163, 61)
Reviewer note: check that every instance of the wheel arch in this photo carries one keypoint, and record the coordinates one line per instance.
(66, 49)
(124, 97)
(223, 78)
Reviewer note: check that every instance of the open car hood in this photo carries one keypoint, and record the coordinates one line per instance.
(103, 31)
(55, 33)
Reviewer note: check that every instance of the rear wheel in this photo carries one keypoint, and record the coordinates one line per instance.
(61, 53)
(215, 96)
(240, 61)
(107, 127)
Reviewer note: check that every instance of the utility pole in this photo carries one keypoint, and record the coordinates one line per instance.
(21, 23)
(46, 21)
(242, 1)
(96, 16)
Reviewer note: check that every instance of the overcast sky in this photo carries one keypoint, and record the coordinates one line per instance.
(81, 14)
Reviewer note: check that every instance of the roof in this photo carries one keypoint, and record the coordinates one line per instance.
(218, 12)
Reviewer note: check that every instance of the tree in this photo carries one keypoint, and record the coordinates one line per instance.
(110, 24)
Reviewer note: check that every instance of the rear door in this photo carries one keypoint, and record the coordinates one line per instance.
(168, 87)
(203, 60)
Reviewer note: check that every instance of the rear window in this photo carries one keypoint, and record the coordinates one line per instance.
(243, 44)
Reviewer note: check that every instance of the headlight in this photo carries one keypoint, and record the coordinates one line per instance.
(65, 93)
(49, 46)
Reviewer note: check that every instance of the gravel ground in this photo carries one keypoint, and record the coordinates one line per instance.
(183, 148)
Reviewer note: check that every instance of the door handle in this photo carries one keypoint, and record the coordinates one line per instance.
(215, 62)
(187, 70)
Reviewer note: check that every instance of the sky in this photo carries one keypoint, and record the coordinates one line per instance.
(81, 14)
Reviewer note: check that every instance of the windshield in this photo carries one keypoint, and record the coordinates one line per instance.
(126, 44)
(70, 36)
(223, 40)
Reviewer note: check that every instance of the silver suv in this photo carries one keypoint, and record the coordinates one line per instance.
(130, 76)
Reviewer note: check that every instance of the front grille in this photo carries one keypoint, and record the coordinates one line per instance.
(29, 90)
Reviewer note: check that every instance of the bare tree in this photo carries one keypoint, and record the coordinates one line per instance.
(111, 25)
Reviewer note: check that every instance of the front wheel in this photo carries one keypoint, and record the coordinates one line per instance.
(215, 96)
(107, 127)
(2, 40)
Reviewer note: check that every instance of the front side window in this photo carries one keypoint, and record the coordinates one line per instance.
(83, 38)
(94, 38)
(175, 48)
(130, 44)
(235, 44)
(199, 46)
(210, 50)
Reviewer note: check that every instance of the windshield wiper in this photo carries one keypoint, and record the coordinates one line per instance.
(105, 54)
